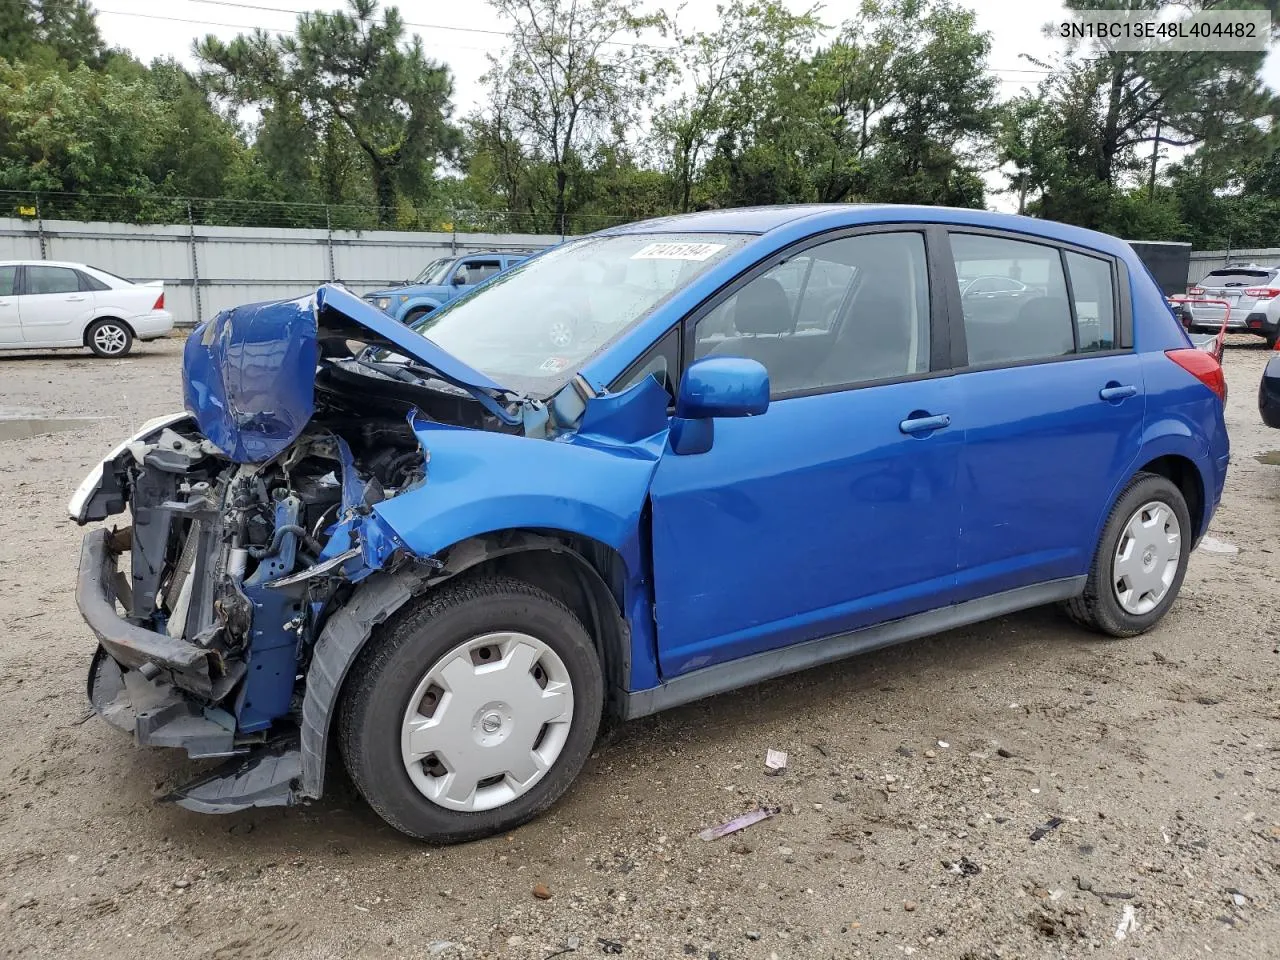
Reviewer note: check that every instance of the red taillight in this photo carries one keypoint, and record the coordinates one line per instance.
(159, 304)
(1203, 367)
(1195, 291)
(1262, 293)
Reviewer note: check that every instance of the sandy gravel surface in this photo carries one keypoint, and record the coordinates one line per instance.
(1159, 755)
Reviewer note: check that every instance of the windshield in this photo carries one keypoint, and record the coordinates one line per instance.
(531, 327)
(434, 272)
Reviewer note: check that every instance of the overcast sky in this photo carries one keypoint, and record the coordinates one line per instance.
(461, 33)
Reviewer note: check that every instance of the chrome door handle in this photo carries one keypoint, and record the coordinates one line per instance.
(1116, 391)
(925, 424)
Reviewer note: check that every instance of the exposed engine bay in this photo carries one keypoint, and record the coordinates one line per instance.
(237, 566)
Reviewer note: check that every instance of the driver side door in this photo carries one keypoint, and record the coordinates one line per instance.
(837, 508)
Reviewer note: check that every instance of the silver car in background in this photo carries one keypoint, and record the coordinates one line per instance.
(1251, 292)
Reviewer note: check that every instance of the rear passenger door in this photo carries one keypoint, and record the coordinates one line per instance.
(1052, 402)
(55, 305)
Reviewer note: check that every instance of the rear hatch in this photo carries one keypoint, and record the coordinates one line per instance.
(1232, 285)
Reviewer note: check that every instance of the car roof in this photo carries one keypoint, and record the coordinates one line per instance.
(42, 263)
(815, 217)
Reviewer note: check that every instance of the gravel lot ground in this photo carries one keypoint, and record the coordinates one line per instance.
(1158, 754)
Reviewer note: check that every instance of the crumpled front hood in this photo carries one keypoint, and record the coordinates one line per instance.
(249, 373)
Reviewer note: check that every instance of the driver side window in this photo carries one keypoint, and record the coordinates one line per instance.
(841, 313)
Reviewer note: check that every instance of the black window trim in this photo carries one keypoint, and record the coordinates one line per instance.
(647, 354)
(1121, 301)
(939, 364)
(1115, 310)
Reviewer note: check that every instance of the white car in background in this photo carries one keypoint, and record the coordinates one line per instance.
(47, 304)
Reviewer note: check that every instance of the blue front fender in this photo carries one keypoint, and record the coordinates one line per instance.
(593, 483)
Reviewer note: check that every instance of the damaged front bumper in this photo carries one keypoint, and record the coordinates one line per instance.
(157, 689)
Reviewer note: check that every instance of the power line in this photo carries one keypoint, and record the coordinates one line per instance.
(255, 26)
(410, 23)
(262, 8)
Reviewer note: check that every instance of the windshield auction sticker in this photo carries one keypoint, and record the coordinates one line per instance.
(1169, 30)
(677, 251)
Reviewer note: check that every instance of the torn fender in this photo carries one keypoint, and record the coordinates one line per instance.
(593, 483)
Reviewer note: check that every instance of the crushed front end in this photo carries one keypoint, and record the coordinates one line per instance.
(252, 520)
(207, 605)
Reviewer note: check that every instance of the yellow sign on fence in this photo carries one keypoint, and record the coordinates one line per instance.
(26, 211)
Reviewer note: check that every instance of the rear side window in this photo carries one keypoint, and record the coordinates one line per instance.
(90, 282)
(1093, 294)
(8, 279)
(1014, 299)
(474, 271)
(42, 279)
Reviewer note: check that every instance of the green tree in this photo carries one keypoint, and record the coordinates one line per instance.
(351, 70)
(755, 44)
(48, 30)
(574, 80)
(72, 131)
(1104, 114)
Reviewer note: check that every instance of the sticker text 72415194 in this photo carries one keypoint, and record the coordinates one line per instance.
(677, 251)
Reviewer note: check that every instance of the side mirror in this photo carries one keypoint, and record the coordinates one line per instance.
(716, 387)
(459, 279)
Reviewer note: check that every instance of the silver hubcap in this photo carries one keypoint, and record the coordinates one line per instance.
(561, 334)
(487, 722)
(1146, 558)
(109, 338)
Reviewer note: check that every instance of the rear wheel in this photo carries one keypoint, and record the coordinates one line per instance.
(1140, 560)
(1271, 338)
(473, 711)
(109, 338)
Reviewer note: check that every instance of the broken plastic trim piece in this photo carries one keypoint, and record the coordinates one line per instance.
(319, 569)
(266, 779)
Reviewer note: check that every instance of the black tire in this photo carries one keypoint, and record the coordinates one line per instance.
(413, 316)
(1097, 607)
(1270, 339)
(109, 338)
(390, 667)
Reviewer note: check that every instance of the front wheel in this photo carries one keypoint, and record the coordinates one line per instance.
(473, 711)
(1140, 560)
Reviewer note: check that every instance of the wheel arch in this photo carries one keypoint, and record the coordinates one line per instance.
(84, 334)
(1176, 455)
(585, 574)
(428, 304)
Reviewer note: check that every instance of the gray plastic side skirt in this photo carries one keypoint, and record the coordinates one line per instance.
(339, 644)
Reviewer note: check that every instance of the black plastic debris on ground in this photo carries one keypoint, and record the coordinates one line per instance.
(1046, 828)
(610, 946)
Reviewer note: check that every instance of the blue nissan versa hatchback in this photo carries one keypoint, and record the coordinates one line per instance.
(792, 434)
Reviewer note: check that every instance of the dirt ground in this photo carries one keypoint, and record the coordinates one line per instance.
(917, 777)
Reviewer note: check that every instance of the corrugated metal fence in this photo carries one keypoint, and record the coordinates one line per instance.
(206, 269)
(1205, 261)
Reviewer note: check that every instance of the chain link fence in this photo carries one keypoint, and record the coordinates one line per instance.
(146, 209)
